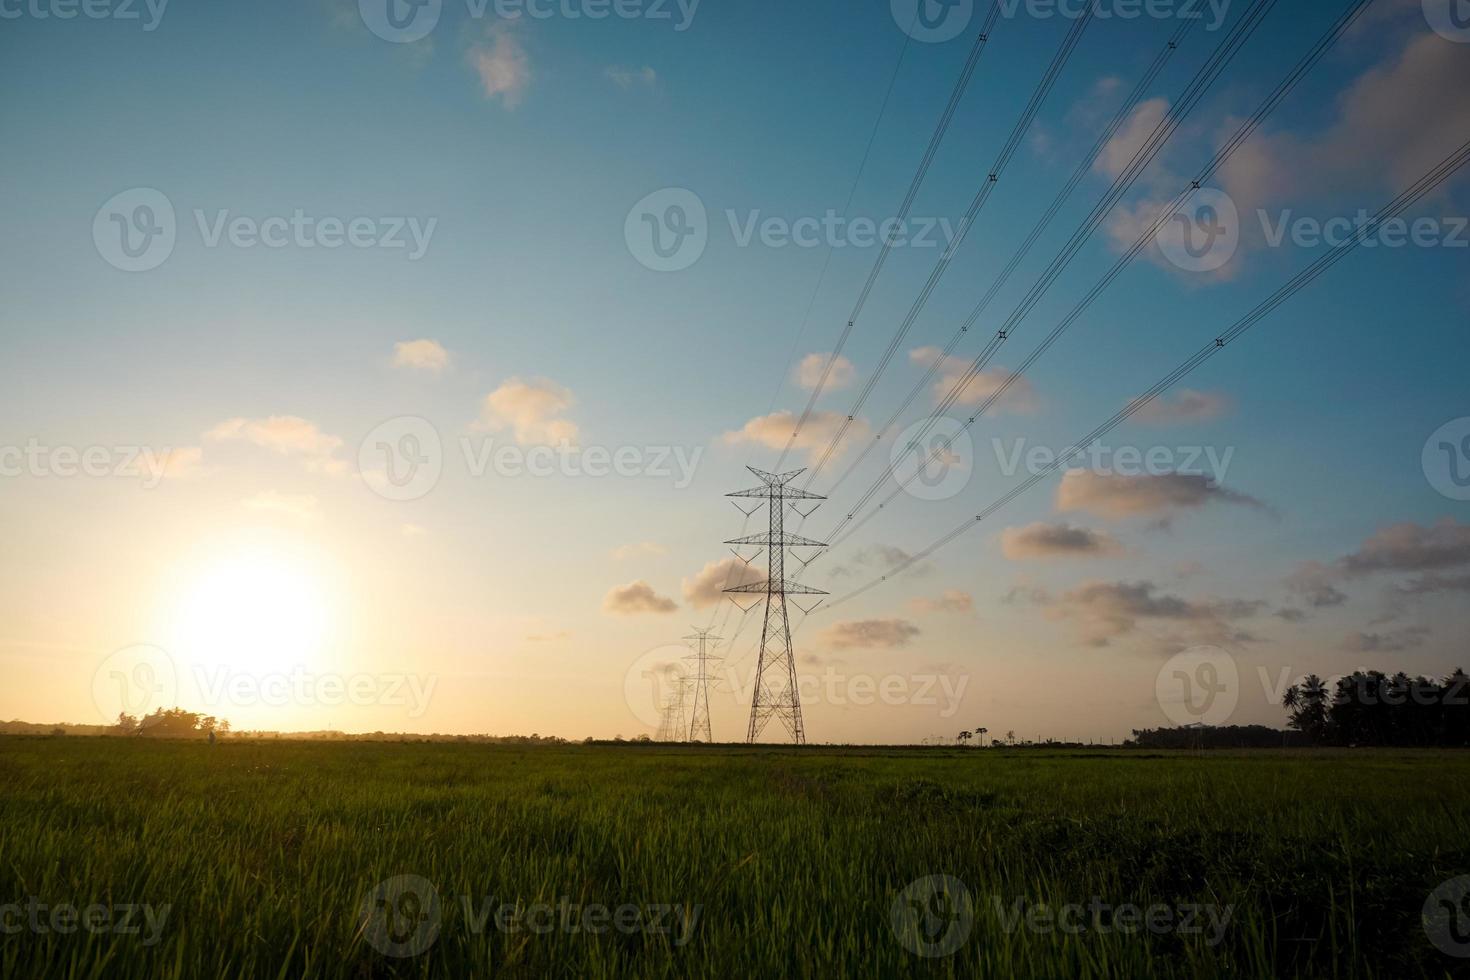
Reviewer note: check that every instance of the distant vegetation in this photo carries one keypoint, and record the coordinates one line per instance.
(1373, 708)
(265, 854)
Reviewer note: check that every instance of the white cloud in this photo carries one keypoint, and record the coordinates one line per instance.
(1113, 495)
(288, 435)
(1105, 611)
(869, 634)
(772, 431)
(952, 601)
(1130, 137)
(503, 65)
(1185, 407)
(298, 506)
(707, 586)
(183, 463)
(421, 355)
(639, 549)
(627, 78)
(809, 372)
(531, 410)
(1019, 398)
(637, 597)
(1042, 540)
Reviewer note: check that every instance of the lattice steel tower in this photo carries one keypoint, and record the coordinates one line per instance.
(671, 725)
(699, 727)
(776, 694)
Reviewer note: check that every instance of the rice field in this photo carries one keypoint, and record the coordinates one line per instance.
(163, 859)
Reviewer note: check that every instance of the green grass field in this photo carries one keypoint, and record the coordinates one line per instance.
(769, 861)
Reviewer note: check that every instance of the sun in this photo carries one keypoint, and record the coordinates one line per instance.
(256, 610)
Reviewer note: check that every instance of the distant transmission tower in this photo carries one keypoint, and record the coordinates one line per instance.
(671, 726)
(776, 694)
(699, 728)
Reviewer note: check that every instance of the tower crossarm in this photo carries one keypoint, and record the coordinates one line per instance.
(788, 540)
(777, 588)
(775, 492)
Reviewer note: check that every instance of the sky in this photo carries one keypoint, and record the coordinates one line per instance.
(360, 382)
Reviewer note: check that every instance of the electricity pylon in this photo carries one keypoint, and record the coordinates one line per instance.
(776, 694)
(699, 727)
(671, 726)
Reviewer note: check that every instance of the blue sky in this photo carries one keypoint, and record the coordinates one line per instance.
(527, 144)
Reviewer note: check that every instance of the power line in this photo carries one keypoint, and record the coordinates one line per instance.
(846, 209)
(982, 197)
(822, 276)
(1084, 167)
(1244, 132)
(1407, 199)
(940, 129)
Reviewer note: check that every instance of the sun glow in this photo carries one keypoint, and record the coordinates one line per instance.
(255, 610)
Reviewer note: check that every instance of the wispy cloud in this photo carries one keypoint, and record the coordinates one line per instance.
(809, 372)
(636, 597)
(1042, 540)
(298, 506)
(774, 430)
(288, 435)
(1106, 611)
(532, 410)
(421, 355)
(952, 601)
(1114, 495)
(502, 64)
(1184, 408)
(638, 549)
(627, 78)
(707, 587)
(869, 634)
(1020, 396)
